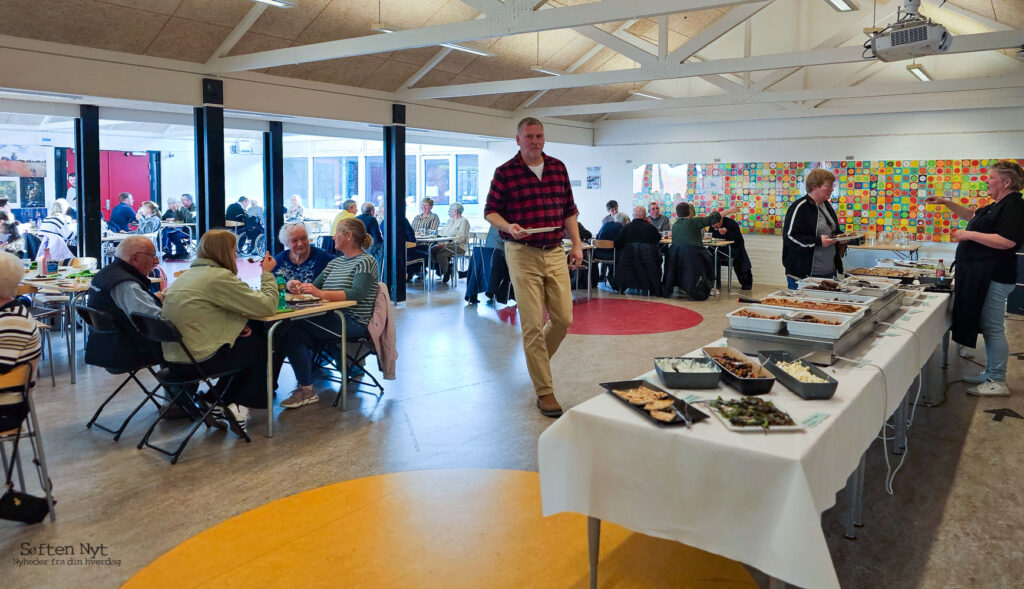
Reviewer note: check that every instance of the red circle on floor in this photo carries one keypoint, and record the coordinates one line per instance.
(629, 317)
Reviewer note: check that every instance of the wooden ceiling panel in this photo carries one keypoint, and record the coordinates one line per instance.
(158, 6)
(254, 42)
(456, 61)
(187, 40)
(288, 23)
(415, 57)
(691, 23)
(483, 101)
(511, 101)
(573, 47)
(646, 29)
(980, 7)
(550, 99)
(597, 62)
(435, 77)
(81, 22)
(390, 76)
(498, 68)
(226, 13)
(351, 71)
(341, 20)
(589, 94)
(1009, 12)
(453, 11)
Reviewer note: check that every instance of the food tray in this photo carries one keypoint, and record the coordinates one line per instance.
(757, 429)
(847, 238)
(804, 287)
(761, 384)
(845, 298)
(691, 380)
(693, 413)
(801, 328)
(904, 276)
(806, 390)
(881, 286)
(755, 324)
(861, 309)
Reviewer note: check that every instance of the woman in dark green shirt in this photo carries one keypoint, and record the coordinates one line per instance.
(688, 228)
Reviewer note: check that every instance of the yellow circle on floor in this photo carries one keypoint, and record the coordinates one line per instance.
(433, 528)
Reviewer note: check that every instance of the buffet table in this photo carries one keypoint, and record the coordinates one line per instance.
(756, 498)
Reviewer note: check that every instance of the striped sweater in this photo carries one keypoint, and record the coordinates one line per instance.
(20, 341)
(356, 276)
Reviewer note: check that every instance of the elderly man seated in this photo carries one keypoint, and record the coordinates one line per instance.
(19, 336)
(301, 261)
(660, 222)
(348, 211)
(639, 230)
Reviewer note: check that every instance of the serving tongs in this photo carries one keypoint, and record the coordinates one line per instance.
(683, 414)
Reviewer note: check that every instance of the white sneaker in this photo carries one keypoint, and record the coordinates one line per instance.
(241, 416)
(991, 388)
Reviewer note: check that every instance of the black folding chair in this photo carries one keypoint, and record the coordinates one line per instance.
(160, 330)
(101, 322)
(19, 421)
(328, 358)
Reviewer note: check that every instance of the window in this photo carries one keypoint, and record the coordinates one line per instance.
(296, 179)
(467, 178)
(376, 180)
(436, 180)
(335, 179)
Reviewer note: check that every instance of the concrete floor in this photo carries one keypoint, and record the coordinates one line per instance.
(462, 399)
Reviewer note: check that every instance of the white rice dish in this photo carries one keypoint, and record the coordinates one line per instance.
(685, 365)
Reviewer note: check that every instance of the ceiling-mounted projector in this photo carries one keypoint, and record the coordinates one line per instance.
(912, 35)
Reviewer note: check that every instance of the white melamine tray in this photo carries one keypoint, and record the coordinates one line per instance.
(755, 324)
(801, 328)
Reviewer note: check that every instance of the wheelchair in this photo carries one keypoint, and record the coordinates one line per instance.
(252, 241)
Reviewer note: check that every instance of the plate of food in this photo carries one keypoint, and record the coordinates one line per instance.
(756, 319)
(752, 414)
(823, 325)
(811, 305)
(744, 374)
(846, 237)
(533, 230)
(653, 403)
(301, 298)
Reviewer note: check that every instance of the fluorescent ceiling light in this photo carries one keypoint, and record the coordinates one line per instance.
(547, 71)
(15, 93)
(843, 5)
(467, 49)
(278, 3)
(646, 95)
(919, 72)
(382, 27)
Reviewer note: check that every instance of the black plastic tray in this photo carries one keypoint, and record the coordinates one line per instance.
(689, 380)
(806, 390)
(746, 386)
(693, 413)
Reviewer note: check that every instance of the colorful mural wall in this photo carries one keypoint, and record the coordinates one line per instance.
(875, 196)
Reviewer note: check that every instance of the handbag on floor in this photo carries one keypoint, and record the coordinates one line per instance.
(14, 505)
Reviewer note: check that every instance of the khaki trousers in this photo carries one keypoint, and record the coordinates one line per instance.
(541, 280)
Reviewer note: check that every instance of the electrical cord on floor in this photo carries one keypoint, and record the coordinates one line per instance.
(885, 419)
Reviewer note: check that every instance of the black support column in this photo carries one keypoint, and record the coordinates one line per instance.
(273, 183)
(87, 164)
(394, 204)
(210, 157)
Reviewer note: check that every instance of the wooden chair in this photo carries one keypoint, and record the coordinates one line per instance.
(11, 416)
(605, 244)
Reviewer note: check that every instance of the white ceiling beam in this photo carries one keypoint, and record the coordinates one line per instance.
(427, 67)
(902, 88)
(512, 21)
(980, 19)
(617, 44)
(661, 71)
(748, 33)
(240, 29)
(641, 43)
(715, 30)
(576, 64)
(486, 6)
(662, 36)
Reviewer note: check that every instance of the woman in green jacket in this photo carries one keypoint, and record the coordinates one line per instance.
(210, 305)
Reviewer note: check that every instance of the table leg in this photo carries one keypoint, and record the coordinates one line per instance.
(71, 335)
(900, 436)
(728, 287)
(270, 378)
(344, 361)
(855, 500)
(593, 547)
(590, 270)
(859, 506)
(945, 350)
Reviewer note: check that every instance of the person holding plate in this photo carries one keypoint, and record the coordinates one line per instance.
(808, 248)
(351, 277)
(532, 190)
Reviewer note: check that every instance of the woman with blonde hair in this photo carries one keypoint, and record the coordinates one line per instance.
(352, 277)
(149, 217)
(808, 246)
(210, 305)
(55, 232)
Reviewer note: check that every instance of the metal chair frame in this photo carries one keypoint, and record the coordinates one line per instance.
(20, 377)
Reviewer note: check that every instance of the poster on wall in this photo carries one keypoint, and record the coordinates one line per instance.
(32, 193)
(24, 161)
(9, 189)
(593, 177)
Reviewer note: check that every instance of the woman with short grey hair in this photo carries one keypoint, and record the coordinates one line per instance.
(301, 261)
(457, 228)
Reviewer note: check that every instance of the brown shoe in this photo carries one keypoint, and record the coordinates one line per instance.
(549, 406)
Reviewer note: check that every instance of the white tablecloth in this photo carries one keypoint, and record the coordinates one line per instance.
(752, 497)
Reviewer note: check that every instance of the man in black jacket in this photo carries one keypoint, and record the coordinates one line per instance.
(808, 248)
(639, 230)
(729, 230)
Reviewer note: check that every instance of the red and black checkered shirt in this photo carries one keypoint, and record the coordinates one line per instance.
(519, 197)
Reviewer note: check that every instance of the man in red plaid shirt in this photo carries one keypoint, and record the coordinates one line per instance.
(530, 204)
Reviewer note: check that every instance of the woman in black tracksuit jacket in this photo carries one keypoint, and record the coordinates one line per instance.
(808, 248)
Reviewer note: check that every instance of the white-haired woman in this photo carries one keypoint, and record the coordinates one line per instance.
(457, 228)
(294, 213)
(55, 232)
(301, 261)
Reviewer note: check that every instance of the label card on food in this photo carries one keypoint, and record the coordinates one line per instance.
(814, 419)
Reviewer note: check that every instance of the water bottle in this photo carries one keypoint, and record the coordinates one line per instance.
(940, 270)
(281, 302)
